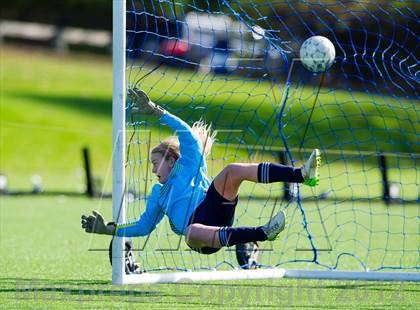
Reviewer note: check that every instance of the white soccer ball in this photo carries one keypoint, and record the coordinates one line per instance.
(317, 54)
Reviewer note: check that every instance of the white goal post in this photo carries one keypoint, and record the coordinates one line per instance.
(118, 134)
(118, 198)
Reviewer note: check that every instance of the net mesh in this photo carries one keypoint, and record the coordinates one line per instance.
(235, 64)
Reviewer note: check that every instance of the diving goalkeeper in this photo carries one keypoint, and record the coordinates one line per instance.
(201, 210)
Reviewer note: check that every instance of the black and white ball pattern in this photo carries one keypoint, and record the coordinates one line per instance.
(317, 54)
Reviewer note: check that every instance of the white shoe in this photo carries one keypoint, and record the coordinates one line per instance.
(275, 226)
(310, 170)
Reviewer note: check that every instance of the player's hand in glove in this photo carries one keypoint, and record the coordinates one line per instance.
(95, 223)
(141, 104)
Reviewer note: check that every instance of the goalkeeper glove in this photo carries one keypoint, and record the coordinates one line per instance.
(96, 224)
(141, 104)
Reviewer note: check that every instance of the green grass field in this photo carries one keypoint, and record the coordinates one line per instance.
(52, 106)
(46, 264)
(50, 109)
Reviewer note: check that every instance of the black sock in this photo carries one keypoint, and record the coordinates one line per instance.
(270, 172)
(229, 236)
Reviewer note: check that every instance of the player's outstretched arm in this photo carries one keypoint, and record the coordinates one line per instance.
(95, 223)
(189, 143)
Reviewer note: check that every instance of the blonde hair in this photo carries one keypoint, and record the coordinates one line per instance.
(205, 135)
(170, 146)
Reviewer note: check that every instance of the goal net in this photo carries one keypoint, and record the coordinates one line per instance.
(235, 64)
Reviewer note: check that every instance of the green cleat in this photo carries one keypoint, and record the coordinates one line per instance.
(310, 170)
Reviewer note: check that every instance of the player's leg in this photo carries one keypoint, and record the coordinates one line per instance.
(228, 181)
(204, 236)
(199, 236)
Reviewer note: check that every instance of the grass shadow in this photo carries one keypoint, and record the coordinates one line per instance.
(337, 126)
(53, 281)
(97, 106)
(41, 287)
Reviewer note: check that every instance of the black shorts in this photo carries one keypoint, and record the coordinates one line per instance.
(214, 210)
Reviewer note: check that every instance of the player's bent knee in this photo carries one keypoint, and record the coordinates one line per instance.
(231, 169)
(231, 173)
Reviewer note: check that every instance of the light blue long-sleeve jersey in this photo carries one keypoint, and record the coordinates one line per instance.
(184, 190)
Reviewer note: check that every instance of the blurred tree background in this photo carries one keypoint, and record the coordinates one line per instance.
(92, 14)
(97, 14)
